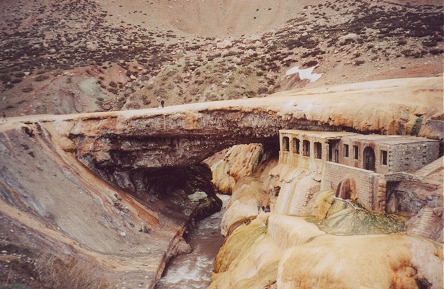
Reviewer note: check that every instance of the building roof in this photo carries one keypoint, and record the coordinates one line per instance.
(376, 138)
(388, 139)
(318, 134)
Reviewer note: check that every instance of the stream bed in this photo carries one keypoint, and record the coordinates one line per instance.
(193, 271)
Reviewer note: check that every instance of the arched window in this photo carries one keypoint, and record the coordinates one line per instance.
(285, 144)
(369, 159)
(306, 148)
(383, 157)
(297, 145)
(318, 150)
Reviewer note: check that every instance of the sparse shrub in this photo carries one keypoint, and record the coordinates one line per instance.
(145, 100)
(262, 90)
(359, 62)
(41, 77)
(27, 89)
(159, 92)
(20, 74)
(16, 80)
(5, 78)
(436, 51)
(402, 42)
(194, 91)
(310, 63)
(430, 43)
(249, 93)
(71, 273)
(14, 286)
(171, 72)
(412, 53)
(112, 84)
(112, 90)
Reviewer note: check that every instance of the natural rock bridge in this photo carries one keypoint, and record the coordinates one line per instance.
(184, 135)
(124, 146)
(155, 155)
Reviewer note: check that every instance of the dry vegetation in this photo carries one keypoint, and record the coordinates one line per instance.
(72, 273)
(135, 66)
(23, 267)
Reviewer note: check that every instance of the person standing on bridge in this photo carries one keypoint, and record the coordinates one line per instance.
(162, 102)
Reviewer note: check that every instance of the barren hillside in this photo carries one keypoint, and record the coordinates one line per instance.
(66, 56)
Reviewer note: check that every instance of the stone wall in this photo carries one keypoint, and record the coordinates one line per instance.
(406, 155)
(366, 181)
(361, 144)
(413, 156)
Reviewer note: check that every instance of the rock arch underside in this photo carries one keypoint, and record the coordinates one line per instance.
(110, 189)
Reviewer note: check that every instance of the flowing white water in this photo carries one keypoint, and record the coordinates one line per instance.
(193, 271)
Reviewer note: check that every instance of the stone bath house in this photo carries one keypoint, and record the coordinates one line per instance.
(371, 162)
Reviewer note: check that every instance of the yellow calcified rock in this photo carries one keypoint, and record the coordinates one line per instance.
(299, 255)
(323, 203)
(221, 179)
(288, 231)
(364, 261)
(247, 195)
(239, 171)
(232, 164)
(249, 259)
(294, 179)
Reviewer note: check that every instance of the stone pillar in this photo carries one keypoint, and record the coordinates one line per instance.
(381, 195)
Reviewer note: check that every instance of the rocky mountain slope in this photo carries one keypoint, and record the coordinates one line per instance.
(63, 57)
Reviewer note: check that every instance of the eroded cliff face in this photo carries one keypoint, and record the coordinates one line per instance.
(63, 225)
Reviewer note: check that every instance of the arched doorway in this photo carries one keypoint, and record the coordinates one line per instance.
(369, 159)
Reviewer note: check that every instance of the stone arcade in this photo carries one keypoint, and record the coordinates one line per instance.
(369, 162)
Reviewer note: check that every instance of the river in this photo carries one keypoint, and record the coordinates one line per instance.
(193, 271)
